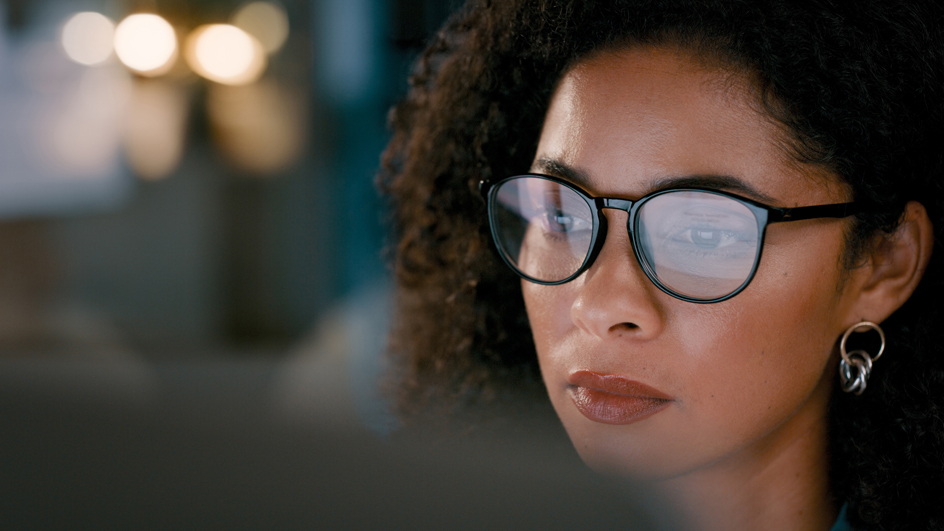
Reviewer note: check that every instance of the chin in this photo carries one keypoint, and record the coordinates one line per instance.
(608, 451)
(636, 467)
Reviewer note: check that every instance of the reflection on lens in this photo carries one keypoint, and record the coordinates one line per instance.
(543, 228)
(699, 244)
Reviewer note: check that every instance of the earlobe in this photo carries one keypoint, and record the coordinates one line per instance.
(896, 265)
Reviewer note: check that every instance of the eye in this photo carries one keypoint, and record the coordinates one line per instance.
(706, 237)
(560, 213)
(557, 221)
(711, 237)
(704, 228)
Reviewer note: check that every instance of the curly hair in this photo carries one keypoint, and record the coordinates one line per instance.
(857, 86)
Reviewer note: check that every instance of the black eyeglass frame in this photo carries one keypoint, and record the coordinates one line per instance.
(764, 214)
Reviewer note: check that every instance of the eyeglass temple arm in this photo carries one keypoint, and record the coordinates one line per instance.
(837, 210)
(484, 187)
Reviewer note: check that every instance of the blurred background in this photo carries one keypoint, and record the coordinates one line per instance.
(193, 304)
(193, 179)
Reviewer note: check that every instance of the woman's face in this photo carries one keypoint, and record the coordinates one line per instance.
(648, 384)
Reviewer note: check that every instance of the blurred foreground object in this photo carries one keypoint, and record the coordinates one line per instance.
(201, 450)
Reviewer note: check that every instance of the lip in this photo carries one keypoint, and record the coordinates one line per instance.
(613, 399)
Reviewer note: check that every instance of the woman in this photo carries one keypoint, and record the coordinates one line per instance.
(646, 169)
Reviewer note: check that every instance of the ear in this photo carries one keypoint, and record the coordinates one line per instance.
(894, 266)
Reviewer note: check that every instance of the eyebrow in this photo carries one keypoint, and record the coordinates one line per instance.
(708, 182)
(559, 169)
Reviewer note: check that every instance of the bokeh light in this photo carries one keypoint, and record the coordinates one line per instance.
(261, 128)
(155, 128)
(88, 37)
(146, 43)
(265, 21)
(225, 54)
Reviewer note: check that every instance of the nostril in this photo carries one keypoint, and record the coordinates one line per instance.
(624, 327)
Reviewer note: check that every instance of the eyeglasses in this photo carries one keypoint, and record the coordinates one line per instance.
(697, 245)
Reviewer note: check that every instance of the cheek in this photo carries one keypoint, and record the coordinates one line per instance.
(739, 389)
(763, 360)
(548, 310)
(552, 330)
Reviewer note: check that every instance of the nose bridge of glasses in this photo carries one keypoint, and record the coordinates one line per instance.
(612, 202)
(616, 204)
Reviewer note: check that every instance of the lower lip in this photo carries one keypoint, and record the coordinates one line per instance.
(609, 408)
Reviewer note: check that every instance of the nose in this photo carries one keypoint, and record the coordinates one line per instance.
(615, 298)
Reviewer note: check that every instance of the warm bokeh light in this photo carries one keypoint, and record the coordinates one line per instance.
(155, 128)
(261, 127)
(225, 54)
(146, 43)
(87, 37)
(265, 21)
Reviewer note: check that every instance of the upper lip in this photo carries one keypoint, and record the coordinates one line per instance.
(614, 384)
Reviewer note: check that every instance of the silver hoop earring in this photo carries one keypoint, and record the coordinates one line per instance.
(855, 366)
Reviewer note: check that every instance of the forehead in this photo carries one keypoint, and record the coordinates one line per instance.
(630, 119)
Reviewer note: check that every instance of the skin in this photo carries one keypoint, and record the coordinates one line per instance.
(743, 441)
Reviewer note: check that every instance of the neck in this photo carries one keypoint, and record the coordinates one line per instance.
(778, 483)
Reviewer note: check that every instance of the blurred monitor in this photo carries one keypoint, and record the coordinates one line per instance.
(202, 447)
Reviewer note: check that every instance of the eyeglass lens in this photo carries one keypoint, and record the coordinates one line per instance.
(699, 245)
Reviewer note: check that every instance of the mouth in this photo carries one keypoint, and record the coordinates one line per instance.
(612, 399)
